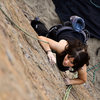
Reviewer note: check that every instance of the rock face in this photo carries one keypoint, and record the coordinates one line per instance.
(25, 72)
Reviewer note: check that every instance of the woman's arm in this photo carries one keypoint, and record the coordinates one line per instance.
(82, 77)
(56, 46)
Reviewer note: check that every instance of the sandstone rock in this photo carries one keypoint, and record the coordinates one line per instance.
(25, 72)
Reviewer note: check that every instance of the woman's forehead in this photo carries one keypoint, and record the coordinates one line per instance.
(70, 56)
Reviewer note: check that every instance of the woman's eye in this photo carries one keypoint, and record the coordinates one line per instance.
(71, 62)
(69, 57)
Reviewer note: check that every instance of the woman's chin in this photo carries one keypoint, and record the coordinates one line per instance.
(64, 64)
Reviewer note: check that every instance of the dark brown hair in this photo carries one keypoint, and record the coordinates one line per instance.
(77, 50)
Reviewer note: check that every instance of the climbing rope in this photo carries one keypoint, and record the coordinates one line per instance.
(94, 74)
(97, 6)
(69, 89)
(67, 92)
(26, 33)
(70, 86)
(93, 67)
(97, 65)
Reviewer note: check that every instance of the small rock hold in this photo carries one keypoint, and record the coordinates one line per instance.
(9, 55)
(20, 45)
(27, 55)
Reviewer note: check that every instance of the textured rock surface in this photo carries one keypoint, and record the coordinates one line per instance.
(25, 73)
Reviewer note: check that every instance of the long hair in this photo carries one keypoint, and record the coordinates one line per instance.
(77, 50)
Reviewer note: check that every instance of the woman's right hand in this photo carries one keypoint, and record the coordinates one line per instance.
(51, 57)
(67, 81)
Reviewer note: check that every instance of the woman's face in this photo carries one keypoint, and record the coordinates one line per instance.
(68, 61)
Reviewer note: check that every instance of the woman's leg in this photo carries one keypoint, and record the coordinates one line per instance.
(41, 30)
(53, 32)
(39, 27)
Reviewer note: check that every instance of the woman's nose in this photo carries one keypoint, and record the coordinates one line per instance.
(66, 62)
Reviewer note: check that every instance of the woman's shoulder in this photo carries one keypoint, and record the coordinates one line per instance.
(62, 45)
(83, 69)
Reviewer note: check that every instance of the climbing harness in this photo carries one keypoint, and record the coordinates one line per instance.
(97, 6)
(70, 86)
(93, 67)
(26, 33)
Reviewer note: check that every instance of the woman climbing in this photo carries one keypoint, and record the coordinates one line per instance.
(69, 43)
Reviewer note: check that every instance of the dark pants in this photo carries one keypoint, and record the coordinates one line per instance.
(41, 30)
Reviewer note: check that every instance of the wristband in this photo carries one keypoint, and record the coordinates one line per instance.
(48, 51)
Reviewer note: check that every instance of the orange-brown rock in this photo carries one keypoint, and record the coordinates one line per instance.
(25, 72)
